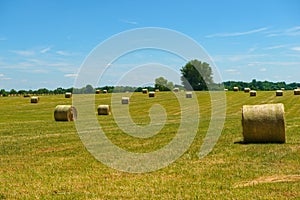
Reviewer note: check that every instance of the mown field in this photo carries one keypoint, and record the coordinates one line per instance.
(44, 159)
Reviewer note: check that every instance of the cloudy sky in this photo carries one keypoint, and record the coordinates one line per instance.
(44, 43)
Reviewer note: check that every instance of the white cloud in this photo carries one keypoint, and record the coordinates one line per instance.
(262, 69)
(5, 78)
(232, 71)
(70, 75)
(45, 50)
(294, 31)
(63, 53)
(237, 33)
(296, 48)
(275, 47)
(279, 63)
(129, 22)
(1, 75)
(23, 53)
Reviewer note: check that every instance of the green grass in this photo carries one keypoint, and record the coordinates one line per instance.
(44, 159)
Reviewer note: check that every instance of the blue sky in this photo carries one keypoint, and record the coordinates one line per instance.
(44, 43)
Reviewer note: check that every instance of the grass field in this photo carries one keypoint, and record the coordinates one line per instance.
(44, 159)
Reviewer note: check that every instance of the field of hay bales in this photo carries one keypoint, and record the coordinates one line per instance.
(41, 158)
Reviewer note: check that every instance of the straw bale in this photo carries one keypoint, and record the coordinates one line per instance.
(263, 123)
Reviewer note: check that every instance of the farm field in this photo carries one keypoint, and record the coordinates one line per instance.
(44, 159)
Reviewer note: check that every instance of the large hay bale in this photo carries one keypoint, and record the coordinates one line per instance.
(68, 95)
(263, 123)
(279, 93)
(176, 89)
(151, 94)
(236, 89)
(65, 113)
(34, 99)
(247, 90)
(156, 90)
(297, 91)
(125, 100)
(103, 110)
(188, 95)
(26, 95)
(225, 89)
(98, 91)
(105, 91)
(145, 91)
(252, 93)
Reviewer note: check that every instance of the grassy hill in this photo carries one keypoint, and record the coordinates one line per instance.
(44, 159)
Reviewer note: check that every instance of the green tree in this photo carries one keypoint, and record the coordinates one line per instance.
(163, 84)
(89, 89)
(192, 79)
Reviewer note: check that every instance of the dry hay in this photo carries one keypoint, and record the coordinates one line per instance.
(263, 123)
(252, 93)
(297, 91)
(188, 94)
(105, 91)
(125, 100)
(176, 89)
(236, 89)
(279, 93)
(247, 90)
(282, 88)
(65, 113)
(269, 179)
(34, 99)
(145, 91)
(98, 91)
(156, 90)
(151, 94)
(68, 95)
(26, 95)
(103, 110)
(225, 89)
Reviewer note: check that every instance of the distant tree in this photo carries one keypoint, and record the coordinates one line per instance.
(89, 89)
(3, 92)
(12, 91)
(192, 79)
(163, 84)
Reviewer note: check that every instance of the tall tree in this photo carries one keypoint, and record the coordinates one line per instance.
(163, 84)
(196, 75)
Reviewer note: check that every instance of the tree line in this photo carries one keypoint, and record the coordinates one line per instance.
(261, 85)
(196, 75)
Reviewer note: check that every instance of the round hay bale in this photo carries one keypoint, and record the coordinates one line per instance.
(188, 95)
(247, 90)
(68, 95)
(282, 88)
(263, 123)
(103, 110)
(156, 90)
(296, 91)
(98, 91)
(125, 100)
(252, 93)
(105, 91)
(225, 89)
(65, 113)
(236, 89)
(279, 93)
(26, 95)
(145, 91)
(176, 89)
(34, 99)
(151, 94)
